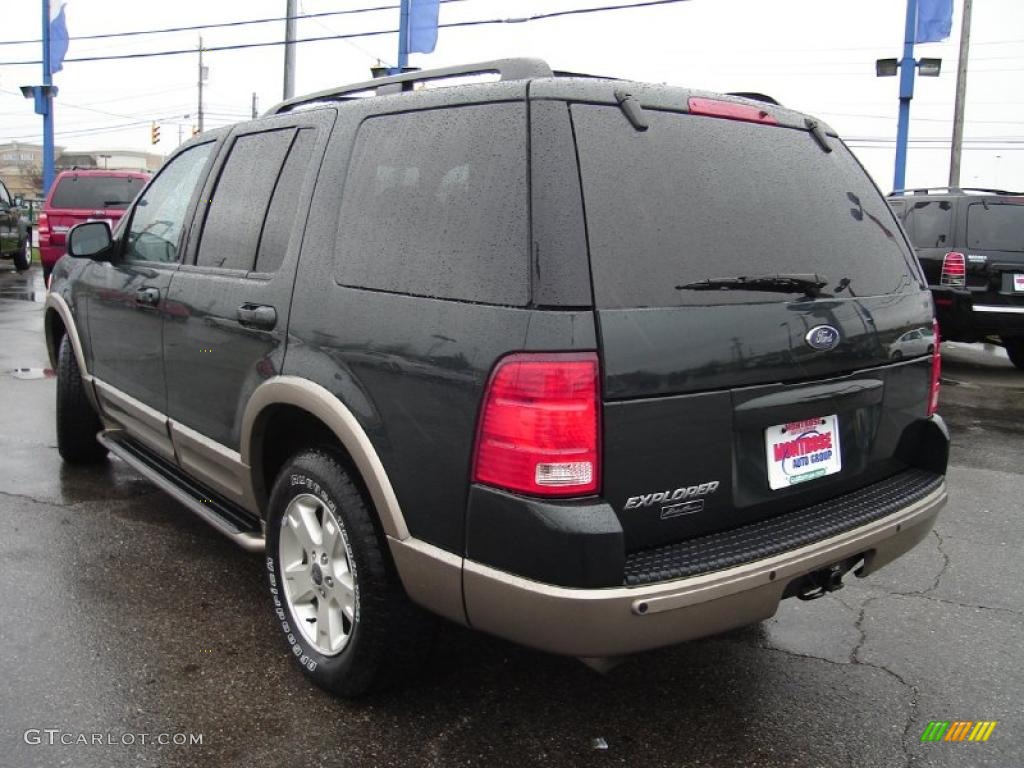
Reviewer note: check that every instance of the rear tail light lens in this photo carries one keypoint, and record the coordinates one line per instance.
(43, 228)
(933, 391)
(539, 426)
(954, 271)
(729, 110)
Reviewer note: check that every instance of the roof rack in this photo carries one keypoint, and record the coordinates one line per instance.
(940, 190)
(507, 69)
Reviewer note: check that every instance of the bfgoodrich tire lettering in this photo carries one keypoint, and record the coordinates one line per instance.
(375, 633)
(77, 422)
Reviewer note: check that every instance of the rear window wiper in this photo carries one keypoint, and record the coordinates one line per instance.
(810, 285)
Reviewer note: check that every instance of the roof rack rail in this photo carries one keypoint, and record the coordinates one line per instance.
(940, 190)
(507, 69)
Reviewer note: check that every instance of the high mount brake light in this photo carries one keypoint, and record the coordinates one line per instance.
(954, 270)
(539, 426)
(729, 110)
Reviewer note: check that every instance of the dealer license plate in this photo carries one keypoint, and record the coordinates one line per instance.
(802, 451)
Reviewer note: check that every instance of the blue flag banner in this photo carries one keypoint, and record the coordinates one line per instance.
(934, 20)
(58, 36)
(423, 25)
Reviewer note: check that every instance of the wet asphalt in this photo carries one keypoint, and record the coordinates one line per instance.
(123, 616)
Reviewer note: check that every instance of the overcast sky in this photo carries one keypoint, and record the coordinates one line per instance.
(813, 55)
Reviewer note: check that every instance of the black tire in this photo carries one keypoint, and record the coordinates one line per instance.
(1015, 349)
(388, 635)
(23, 256)
(77, 422)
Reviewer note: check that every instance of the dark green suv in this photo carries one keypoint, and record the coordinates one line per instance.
(15, 231)
(593, 365)
(970, 243)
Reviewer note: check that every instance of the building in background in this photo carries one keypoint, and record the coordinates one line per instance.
(21, 167)
(21, 164)
(110, 159)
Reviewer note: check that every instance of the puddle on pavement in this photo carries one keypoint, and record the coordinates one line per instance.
(33, 373)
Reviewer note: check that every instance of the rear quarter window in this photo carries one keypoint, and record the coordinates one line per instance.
(995, 227)
(96, 192)
(435, 205)
(694, 198)
(929, 223)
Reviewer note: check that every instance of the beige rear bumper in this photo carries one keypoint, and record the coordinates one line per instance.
(621, 620)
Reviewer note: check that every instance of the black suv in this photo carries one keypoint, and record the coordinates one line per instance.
(596, 366)
(971, 246)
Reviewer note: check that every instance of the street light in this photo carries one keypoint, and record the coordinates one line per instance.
(925, 67)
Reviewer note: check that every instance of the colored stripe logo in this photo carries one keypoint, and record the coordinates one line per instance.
(958, 730)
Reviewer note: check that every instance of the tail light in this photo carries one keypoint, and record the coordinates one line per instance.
(43, 228)
(933, 390)
(954, 272)
(539, 426)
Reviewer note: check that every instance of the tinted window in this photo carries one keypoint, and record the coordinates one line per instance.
(284, 204)
(240, 199)
(96, 192)
(159, 215)
(694, 198)
(995, 227)
(929, 223)
(435, 205)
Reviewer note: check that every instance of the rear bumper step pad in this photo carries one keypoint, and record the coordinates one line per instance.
(765, 538)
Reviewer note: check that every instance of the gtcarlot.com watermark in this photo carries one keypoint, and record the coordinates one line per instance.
(55, 736)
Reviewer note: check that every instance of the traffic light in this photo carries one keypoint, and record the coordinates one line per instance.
(154, 134)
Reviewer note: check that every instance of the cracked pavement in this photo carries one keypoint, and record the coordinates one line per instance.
(123, 614)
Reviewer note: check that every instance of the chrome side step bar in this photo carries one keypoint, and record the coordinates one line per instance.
(239, 525)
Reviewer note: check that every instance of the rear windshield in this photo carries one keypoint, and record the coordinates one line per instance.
(695, 198)
(928, 222)
(995, 227)
(96, 192)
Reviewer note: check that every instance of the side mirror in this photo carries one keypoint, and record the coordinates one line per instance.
(90, 240)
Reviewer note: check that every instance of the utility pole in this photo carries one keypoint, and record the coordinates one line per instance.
(201, 77)
(47, 103)
(961, 96)
(289, 50)
(908, 68)
(254, 106)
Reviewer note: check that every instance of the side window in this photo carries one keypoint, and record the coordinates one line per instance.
(280, 224)
(929, 222)
(239, 202)
(4, 196)
(158, 218)
(435, 205)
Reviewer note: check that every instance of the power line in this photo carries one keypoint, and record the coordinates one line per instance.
(375, 33)
(221, 25)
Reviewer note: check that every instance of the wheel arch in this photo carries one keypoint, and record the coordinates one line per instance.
(312, 408)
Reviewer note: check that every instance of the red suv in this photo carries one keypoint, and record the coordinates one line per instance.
(78, 196)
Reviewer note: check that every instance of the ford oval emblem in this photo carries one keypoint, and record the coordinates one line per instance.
(823, 337)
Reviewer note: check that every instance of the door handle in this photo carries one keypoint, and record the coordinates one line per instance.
(259, 316)
(149, 297)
